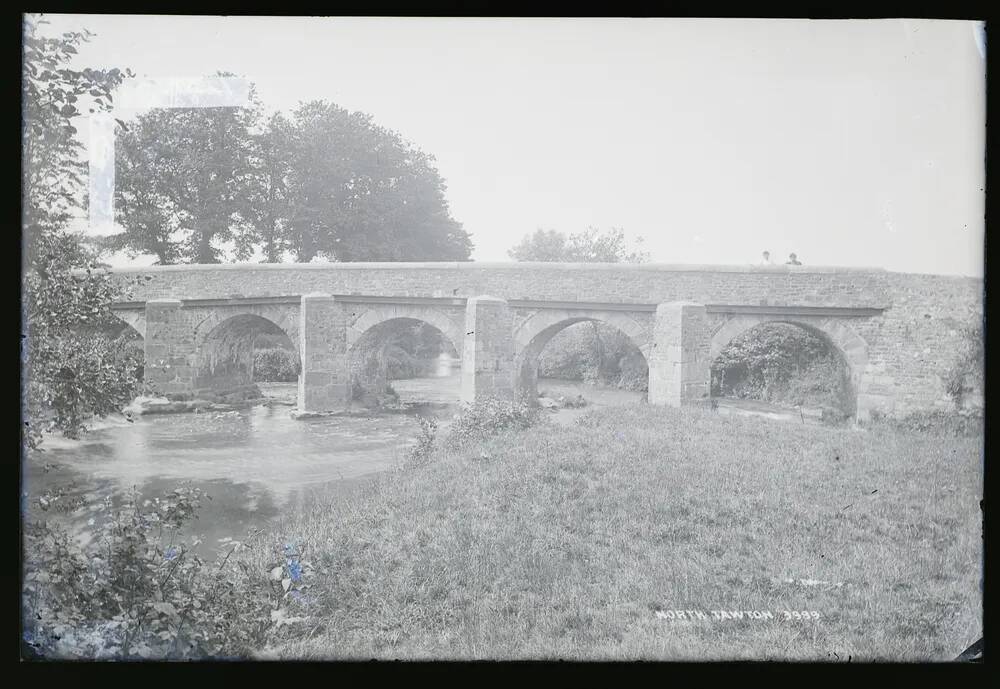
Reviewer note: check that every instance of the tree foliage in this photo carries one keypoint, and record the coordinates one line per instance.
(275, 365)
(71, 371)
(322, 182)
(182, 178)
(589, 246)
(359, 192)
(139, 589)
(595, 353)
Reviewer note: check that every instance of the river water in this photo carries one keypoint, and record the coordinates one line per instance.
(254, 463)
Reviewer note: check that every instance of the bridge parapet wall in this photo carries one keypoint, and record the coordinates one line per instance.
(911, 344)
(647, 284)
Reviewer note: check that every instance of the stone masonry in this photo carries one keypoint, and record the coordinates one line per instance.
(679, 364)
(324, 383)
(488, 350)
(898, 332)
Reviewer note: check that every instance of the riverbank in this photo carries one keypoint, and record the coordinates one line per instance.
(584, 541)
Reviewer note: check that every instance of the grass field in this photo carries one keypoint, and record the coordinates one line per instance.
(574, 542)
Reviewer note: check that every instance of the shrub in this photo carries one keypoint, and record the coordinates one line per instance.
(402, 365)
(784, 364)
(595, 353)
(141, 592)
(275, 365)
(424, 449)
(85, 375)
(483, 419)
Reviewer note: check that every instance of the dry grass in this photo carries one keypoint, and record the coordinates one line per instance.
(566, 542)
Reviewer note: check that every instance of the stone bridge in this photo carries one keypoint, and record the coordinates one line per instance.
(898, 333)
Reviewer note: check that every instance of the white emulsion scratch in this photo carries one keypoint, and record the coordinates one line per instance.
(979, 35)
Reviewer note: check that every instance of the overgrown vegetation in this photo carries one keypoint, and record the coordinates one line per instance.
(483, 420)
(72, 370)
(784, 364)
(275, 365)
(140, 591)
(423, 450)
(594, 353)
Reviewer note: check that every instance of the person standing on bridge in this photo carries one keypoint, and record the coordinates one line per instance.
(766, 259)
(792, 260)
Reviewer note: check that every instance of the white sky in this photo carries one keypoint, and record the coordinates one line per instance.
(857, 142)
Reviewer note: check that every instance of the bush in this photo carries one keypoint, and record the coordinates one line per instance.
(401, 365)
(275, 365)
(424, 449)
(140, 591)
(483, 419)
(784, 364)
(75, 377)
(595, 353)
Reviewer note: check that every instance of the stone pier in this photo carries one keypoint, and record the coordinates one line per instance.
(488, 350)
(679, 365)
(324, 383)
(170, 349)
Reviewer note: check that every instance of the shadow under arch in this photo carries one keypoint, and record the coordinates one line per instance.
(841, 339)
(225, 356)
(381, 346)
(537, 332)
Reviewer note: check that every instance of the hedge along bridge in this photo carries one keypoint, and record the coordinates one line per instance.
(898, 333)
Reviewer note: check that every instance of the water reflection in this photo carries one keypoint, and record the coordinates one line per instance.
(254, 463)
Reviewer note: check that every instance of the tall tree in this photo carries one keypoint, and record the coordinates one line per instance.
(323, 182)
(70, 372)
(264, 207)
(182, 179)
(358, 192)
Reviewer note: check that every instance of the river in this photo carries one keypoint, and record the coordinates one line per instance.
(254, 463)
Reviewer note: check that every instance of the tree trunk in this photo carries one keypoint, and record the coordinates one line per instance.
(205, 254)
(271, 247)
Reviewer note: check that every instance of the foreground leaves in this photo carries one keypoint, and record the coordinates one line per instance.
(141, 590)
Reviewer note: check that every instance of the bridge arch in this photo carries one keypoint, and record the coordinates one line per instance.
(842, 338)
(370, 370)
(285, 318)
(383, 313)
(536, 331)
(225, 338)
